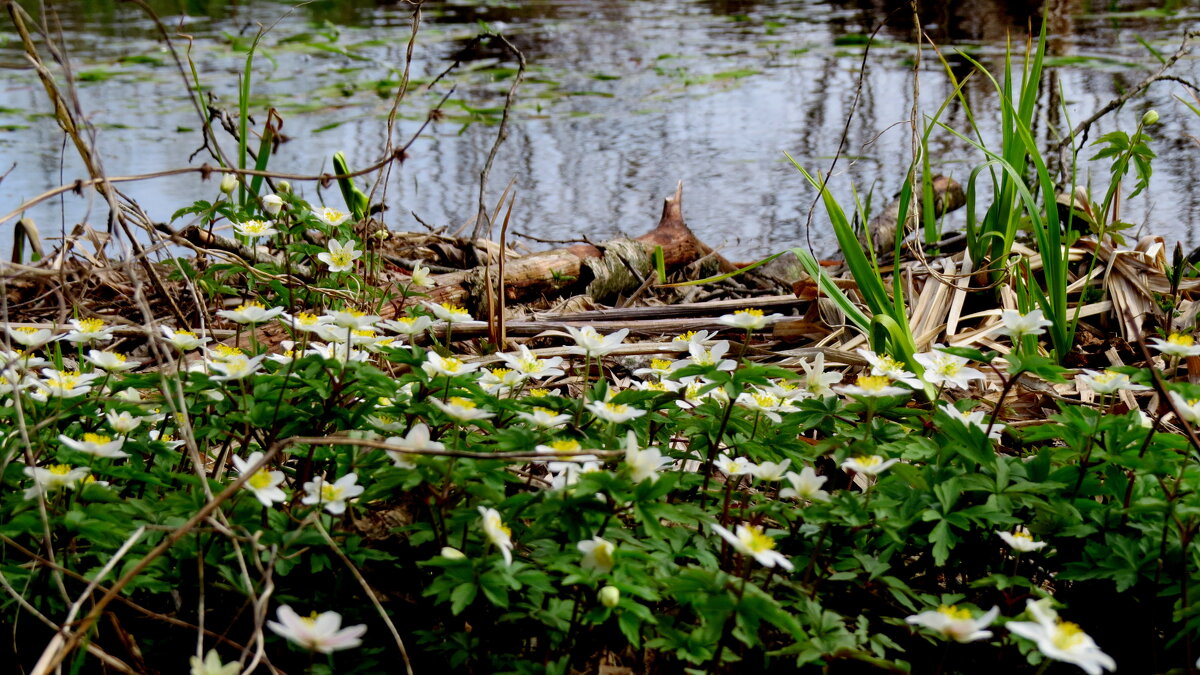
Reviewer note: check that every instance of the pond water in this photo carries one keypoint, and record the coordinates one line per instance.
(621, 100)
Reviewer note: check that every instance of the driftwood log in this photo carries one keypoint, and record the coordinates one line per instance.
(602, 271)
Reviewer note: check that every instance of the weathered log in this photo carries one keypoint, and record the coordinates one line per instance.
(947, 196)
(602, 270)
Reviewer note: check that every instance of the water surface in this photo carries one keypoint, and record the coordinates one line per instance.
(621, 100)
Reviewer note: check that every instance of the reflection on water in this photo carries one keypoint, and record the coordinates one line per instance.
(622, 99)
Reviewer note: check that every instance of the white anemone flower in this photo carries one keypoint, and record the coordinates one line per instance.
(1108, 382)
(1017, 325)
(748, 319)
(86, 331)
(659, 368)
(18, 360)
(1189, 408)
(96, 444)
(339, 352)
(699, 356)
(63, 383)
(250, 313)
(340, 257)
(544, 417)
(351, 318)
(617, 413)
(592, 344)
(643, 464)
(566, 474)
(683, 341)
(946, 369)
(597, 554)
(973, 419)
(304, 321)
(497, 532)
(53, 478)
(956, 623)
(805, 485)
(420, 277)
(872, 386)
(235, 368)
(436, 364)
(183, 340)
(499, 381)
(1061, 640)
(110, 361)
(122, 422)
(1020, 540)
(462, 409)
(1177, 344)
(882, 364)
(771, 472)
(272, 205)
(318, 632)
(264, 483)
(417, 438)
(750, 540)
(766, 404)
(871, 465)
(407, 325)
(30, 337)
(330, 216)
(333, 496)
(734, 466)
(531, 366)
(255, 229)
(448, 312)
(816, 381)
(211, 665)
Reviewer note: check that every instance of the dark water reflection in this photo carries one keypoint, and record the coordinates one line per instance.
(623, 99)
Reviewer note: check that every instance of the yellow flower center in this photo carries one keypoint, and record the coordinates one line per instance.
(59, 469)
(228, 352)
(604, 555)
(261, 479)
(341, 258)
(462, 402)
(1023, 535)
(660, 364)
(254, 226)
(249, 305)
(119, 357)
(185, 333)
(686, 337)
(1181, 339)
(1067, 635)
(765, 400)
(90, 325)
(873, 460)
(873, 382)
(538, 393)
(501, 373)
(656, 386)
(756, 541)
(451, 364)
(1107, 377)
(307, 319)
(618, 408)
(954, 612)
(330, 493)
(96, 438)
(28, 330)
(565, 445)
(750, 312)
(332, 214)
(364, 332)
(950, 367)
(453, 309)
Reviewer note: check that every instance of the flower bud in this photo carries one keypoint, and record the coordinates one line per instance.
(610, 596)
(1151, 117)
(228, 183)
(284, 187)
(451, 553)
(272, 204)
